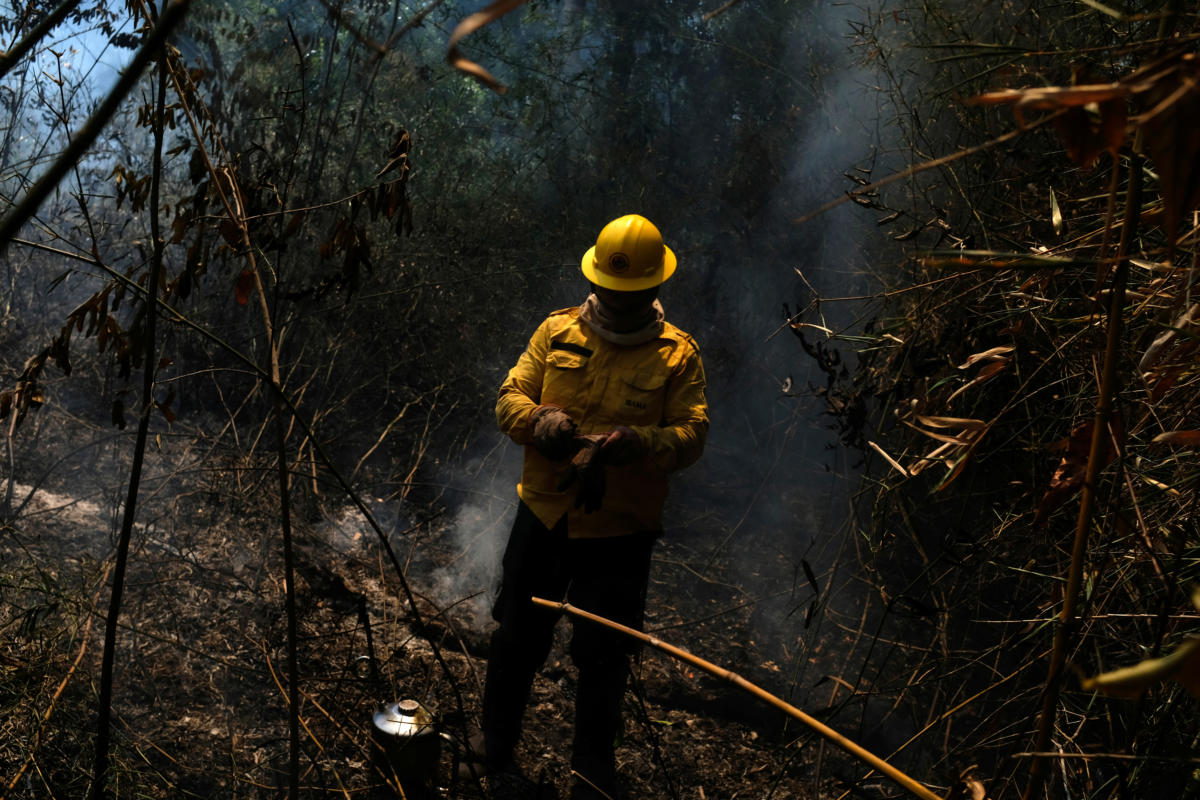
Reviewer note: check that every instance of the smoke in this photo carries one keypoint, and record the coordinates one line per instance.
(770, 501)
(453, 558)
(466, 564)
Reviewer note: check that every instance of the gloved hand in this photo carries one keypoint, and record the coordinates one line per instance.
(553, 432)
(587, 468)
(622, 446)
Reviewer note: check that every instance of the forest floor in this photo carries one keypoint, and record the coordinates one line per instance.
(200, 708)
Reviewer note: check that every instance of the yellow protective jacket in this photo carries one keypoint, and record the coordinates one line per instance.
(656, 388)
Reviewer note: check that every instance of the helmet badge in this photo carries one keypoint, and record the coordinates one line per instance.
(618, 263)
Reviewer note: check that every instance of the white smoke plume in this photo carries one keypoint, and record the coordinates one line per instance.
(466, 577)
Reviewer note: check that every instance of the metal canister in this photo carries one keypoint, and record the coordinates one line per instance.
(407, 749)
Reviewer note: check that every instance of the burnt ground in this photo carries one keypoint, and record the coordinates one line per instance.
(201, 658)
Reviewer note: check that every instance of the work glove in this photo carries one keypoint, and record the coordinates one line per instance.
(553, 432)
(587, 469)
(622, 446)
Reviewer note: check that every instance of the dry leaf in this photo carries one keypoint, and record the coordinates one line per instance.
(245, 283)
(895, 464)
(963, 440)
(1157, 349)
(1051, 97)
(991, 355)
(468, 26)
(231, 232)
(968, 786)
(952, 422)
(179, 227)
(1160, 486)
(1183, 665)
(1171, 355)
(1185, 438)
(985, 374)
(1113, 119)
(1171, 131)
(397, 155)
(1056, 217)
(1085, 136)
(165, 405)
(294, 223)
(955, 470)
(1161, 383)
(1068, 477)
(931, 458)
(955, 451)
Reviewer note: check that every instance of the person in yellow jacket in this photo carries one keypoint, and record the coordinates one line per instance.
(607, 399)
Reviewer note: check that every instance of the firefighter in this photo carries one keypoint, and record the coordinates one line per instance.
(607, 399)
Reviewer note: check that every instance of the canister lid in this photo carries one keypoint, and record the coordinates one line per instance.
(404, 719)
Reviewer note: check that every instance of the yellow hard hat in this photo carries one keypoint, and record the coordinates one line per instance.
(629, 256)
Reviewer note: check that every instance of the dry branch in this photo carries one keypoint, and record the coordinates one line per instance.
(848, 745)
(99, 788)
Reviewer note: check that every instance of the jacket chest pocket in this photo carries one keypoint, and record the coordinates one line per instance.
(565, 378)
(637, 398)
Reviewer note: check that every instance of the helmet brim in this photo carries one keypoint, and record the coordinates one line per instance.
(666, 270)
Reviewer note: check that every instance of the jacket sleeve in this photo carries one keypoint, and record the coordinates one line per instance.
(679, 441)
(521, 391)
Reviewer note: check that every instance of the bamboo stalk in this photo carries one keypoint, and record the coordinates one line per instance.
(99, 786)
(853, 748)
(1104, 404)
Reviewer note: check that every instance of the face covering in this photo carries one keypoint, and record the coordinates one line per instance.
(633, 331)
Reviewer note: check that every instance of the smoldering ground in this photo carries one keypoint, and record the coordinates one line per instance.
(477, 530)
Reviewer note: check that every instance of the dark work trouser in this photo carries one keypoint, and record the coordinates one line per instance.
(606, 576)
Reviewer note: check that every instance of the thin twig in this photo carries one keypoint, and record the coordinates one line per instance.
(716, 12)
(928, 165)
(1110, 756)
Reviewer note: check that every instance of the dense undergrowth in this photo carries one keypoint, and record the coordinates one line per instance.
(1013, 557)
